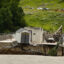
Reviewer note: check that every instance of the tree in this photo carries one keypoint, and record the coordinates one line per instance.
(11, 16)
(60, 1)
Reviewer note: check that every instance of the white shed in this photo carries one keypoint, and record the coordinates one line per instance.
(29, 35)
(22, 36)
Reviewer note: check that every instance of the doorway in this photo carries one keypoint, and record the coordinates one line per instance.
(25, 37)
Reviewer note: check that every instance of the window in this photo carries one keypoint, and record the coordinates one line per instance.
(34, 33)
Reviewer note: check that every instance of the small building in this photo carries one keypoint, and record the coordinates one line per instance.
(40, 8)
(29, 35)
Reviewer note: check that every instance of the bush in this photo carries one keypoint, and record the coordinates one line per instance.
(53, 52)
(11, 16)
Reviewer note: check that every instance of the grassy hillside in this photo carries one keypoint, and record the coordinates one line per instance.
(49, 20)
(43, 3)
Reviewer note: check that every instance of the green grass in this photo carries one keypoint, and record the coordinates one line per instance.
(48, 20)
(43, 3)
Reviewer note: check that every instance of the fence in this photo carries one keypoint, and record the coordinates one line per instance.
(4, 36)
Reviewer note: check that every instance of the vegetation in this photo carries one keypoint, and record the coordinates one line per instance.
(49, 20)
(43, 3)
(53, 52)
(11, 16)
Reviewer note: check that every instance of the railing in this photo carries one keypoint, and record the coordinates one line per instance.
(4, 36)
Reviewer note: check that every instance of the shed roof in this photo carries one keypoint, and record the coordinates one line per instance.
(36, 28)
(26, 28)
(20, 30)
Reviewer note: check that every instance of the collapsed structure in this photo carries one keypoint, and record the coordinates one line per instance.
(42, 40)
(34, 39)
(34, 35)
(29, 35)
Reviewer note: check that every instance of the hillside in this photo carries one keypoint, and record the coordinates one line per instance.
(50, 19)
(43, 3)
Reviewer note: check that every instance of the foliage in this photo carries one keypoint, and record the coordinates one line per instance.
(42, 3)
(53, 52)
(49, 20)
(11, 16)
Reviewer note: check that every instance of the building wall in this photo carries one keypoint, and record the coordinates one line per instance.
(18, 36)
(44, 50)
(36, 35)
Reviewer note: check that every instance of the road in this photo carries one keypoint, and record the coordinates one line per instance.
(30, 59)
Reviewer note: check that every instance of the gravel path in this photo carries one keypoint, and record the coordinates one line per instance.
(30, 59)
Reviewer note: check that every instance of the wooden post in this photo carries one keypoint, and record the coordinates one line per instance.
(59, 31)
(61, 39)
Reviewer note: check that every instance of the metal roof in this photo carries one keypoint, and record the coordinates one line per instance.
(20, 30)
